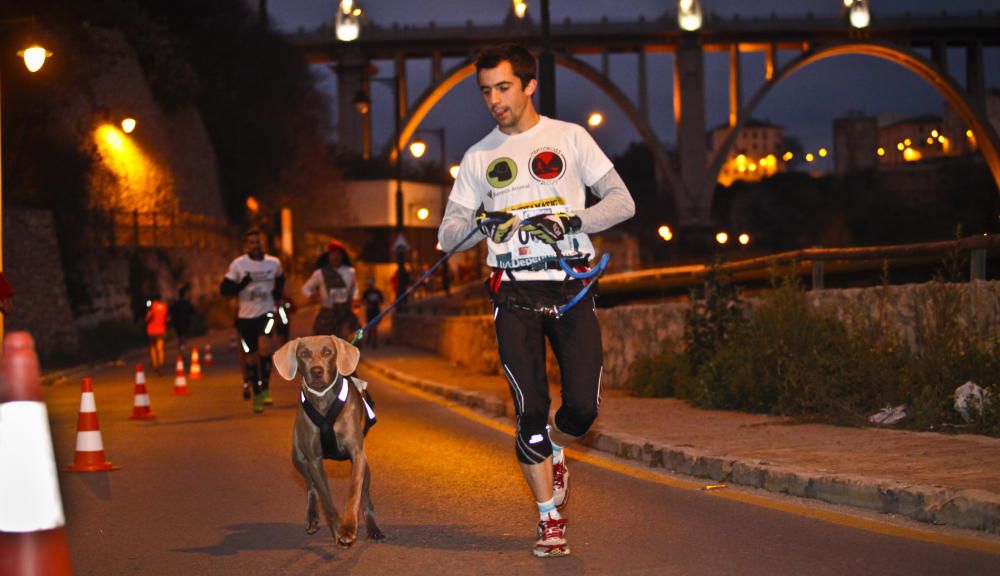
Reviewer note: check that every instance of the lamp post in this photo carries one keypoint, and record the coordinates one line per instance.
(417, 152)
(419, 146)
(34, 58)
(363, 104)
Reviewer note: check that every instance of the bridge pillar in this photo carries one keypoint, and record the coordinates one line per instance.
(694, 201)
(735, 88)
(975, 76)
(353, 129)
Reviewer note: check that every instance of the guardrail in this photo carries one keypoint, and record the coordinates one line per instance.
(813, 263)
(159, 229)
(816, 263)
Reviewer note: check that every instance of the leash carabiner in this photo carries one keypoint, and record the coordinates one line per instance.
(595, 271)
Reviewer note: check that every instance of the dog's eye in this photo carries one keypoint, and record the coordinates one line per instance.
(327, 352)
(305, 354)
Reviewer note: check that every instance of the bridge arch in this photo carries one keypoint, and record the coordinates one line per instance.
(986, 138)
(434, 93)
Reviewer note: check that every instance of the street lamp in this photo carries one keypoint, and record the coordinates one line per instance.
(595, 119)
(689, 15)
(128, 125)
(34, 58)
(859, 15)
(362, 103)
(347, 21)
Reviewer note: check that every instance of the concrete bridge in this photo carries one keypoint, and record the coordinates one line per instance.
(687, 179)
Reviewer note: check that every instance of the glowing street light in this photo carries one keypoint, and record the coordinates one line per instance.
(520, 8)
(860, 17)
(417, 148)
(880, 151)
(595, 119)
(453, 171)
(744, 239)
(722, 237)
(822, 152)
(34, 57)
(665, 233)
(689, 15)
(810, 157)
(423, 214)
(128, 125)
(346, 21)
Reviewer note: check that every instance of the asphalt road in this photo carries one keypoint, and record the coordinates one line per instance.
(209, 488)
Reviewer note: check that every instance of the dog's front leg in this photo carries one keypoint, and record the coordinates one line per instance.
(317, 476)
(374, 533)
(352, 508)
(302, 465)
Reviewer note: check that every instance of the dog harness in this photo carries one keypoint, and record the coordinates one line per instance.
(328, 440)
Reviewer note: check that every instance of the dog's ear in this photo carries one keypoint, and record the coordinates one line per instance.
(285, 361)
(347, 356)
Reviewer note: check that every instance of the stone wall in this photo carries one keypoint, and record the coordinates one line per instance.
(34, 269)
(628, 332)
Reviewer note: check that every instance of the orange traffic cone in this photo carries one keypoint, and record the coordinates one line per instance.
(180, 381)
(89, 445)
(32, 525)
(195, 365)
(141, 410)
(208, 354)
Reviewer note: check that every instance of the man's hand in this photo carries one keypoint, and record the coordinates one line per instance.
(245, 281)
(551, 228)
(497, 226)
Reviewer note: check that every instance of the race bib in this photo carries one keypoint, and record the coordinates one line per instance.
(339, 295)
(523, 250)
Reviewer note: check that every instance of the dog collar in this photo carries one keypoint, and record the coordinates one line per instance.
(325, 390)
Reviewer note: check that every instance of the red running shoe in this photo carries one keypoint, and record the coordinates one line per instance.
(551, 539)
(560, 484)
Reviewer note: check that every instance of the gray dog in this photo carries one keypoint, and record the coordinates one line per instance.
(334, 415)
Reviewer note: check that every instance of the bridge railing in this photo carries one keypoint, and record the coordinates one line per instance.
(815, 264)
(163, 229)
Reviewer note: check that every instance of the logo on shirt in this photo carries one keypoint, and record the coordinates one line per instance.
(547, 165)
(501, 172)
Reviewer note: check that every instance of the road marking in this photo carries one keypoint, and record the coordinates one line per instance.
(602, 461)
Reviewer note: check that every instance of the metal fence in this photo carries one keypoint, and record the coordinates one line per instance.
(160, 229)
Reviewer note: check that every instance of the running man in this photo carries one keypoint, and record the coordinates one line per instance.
(524, 186)
(256, 279)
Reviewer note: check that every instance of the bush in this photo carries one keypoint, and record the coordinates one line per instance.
(660, 376)
(790, 357)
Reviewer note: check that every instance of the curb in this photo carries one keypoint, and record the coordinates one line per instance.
(962, 508)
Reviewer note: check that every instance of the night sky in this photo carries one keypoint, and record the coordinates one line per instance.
(806, 103)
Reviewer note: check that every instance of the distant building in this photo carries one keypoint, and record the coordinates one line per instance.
(913, 139)
(855, 140)
(756, 153)
(961, 136)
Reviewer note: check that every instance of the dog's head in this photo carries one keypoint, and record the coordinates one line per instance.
(318, 358)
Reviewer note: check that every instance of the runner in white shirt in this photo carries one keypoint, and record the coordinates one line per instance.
(333, 284)
(524, 185)
(256, 279)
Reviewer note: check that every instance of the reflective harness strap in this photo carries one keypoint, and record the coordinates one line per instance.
(331, 451)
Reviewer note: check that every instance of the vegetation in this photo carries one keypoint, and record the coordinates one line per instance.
(790, 357)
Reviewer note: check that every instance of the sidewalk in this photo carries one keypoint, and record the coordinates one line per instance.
(938, 478)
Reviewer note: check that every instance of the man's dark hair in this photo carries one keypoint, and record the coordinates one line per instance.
(521, 61)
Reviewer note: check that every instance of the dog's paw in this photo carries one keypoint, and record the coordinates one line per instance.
(312, 527)
(345, 541)
(376, 535)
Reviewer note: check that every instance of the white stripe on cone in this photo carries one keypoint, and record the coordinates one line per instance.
(141, 400)
(29, 486)
(140, 377)
(89, 441)
(87, 402)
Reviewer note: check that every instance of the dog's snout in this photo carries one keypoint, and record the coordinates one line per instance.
(316, 371)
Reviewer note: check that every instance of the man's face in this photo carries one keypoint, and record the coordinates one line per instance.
(505, 97)
(255, 247)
